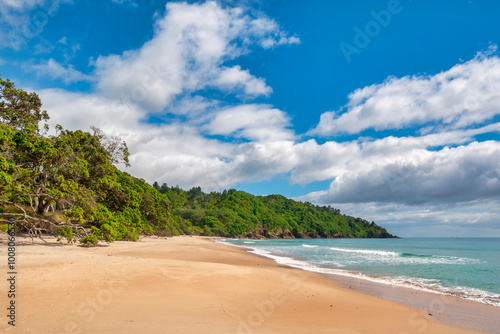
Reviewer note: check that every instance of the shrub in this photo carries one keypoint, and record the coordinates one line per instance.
(89, 240)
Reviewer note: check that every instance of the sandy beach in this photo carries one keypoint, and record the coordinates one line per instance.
(188, 285)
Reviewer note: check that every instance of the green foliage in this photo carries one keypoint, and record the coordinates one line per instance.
(19, 109)
(89, 240)
(73, 174)
(238, 214)
(67, 232)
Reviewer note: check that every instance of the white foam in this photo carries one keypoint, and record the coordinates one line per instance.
(364, 251)
(309, 246)
(421, 284)
(394, 257)
(432, 285)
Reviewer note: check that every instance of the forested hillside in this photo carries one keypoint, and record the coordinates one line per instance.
(236, 213)
(67, 184)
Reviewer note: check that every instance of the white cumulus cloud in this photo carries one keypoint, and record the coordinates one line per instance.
(250, 121)
(187, 54)
(467, 94)
(55, 70)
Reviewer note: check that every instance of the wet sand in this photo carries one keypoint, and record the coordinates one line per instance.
(447, 309)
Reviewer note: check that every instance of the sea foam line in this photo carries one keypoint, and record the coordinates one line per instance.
(407, 257)
(420, 284)
(364, 251)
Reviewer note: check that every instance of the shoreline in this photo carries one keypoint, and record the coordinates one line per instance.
(447, 309)
(471, 295)
(190, 285)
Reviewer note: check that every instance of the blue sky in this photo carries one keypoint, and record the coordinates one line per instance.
(388, 110)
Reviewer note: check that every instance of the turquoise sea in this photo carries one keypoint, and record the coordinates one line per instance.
(465, 267)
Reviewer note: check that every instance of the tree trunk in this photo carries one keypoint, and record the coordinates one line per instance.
(44, 204)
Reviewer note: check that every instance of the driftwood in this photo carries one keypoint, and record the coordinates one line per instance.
(35, 226)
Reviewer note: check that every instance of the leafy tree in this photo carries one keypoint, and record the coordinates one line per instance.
(164, 188)
(19, 109)
(156, 186)
(39, 174)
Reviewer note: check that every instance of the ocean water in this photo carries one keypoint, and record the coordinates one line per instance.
(468, 268)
